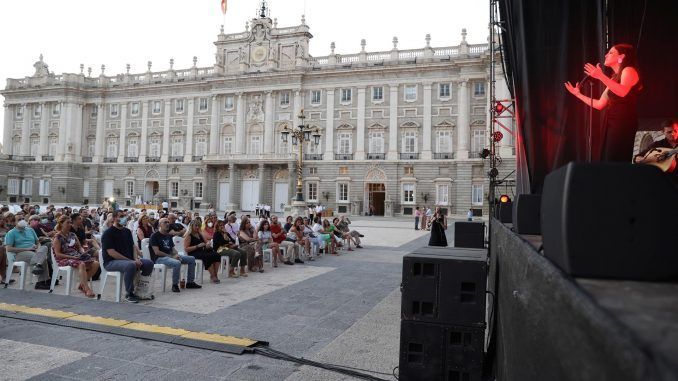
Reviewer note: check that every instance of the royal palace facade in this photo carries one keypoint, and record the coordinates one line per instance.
(398, 129)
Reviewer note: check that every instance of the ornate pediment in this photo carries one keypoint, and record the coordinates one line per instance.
(375, 174)
(445, 124)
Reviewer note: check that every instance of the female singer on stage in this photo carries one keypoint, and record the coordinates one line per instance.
(618, 100)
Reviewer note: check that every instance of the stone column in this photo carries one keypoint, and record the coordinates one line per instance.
(44, 131)
(297, 107)
(240, 125)
(214, 130)
(393, 122)
(144, 132)
(25, 148)
(188, 156)
(123, 132)
(61, 148)
(99, 143)
(166, 131)
(269, 130)
(7, 131)
(292, 170)
(463, 121)
(426, 144)
(262, 181)
(79, 129)
(231, 185)
(329, 126)
(360, 139)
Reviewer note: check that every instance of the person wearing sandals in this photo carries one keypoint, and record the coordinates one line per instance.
(297, 230)
(227, 246)
(279, 235)
(329, 229)
(248, 242)
(69, 252)
(341, 235)
(324, 236)
(266, 242)
(196, 246)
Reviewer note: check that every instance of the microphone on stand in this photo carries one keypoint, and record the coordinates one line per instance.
(586, 78)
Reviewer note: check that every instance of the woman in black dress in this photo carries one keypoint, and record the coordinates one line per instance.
(195, 246)
(618, 100)
(438, 227)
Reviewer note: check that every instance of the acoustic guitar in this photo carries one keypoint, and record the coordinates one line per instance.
(663, 158)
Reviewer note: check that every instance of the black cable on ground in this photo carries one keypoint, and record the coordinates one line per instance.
(349, 371)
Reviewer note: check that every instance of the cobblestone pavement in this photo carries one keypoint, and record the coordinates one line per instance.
(339, 309)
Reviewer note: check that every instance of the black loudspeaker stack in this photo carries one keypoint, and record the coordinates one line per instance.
(469, 234)
(442, 331)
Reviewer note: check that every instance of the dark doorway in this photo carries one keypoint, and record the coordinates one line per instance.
(377, 194)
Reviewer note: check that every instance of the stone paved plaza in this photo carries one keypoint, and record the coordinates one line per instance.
(339, 309)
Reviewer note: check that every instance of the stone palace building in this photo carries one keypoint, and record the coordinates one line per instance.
(399, 129)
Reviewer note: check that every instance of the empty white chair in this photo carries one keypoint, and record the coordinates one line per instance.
(162, 269)
(104, 276)
(11, 264)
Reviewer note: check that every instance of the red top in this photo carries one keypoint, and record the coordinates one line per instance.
(276, 229)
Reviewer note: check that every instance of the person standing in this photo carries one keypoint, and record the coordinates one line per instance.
(438, 227)
(469, 215)
(417, 216)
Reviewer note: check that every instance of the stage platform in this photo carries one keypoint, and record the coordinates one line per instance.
(550, 326)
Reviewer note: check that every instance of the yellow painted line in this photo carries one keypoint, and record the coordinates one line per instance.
(221, 339)
(36, 311)
(134, 326)
(99, 320)
(156, 329)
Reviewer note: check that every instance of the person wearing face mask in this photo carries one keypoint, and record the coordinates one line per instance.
(120, 254)
(208, 229)
(22, 245)
(196, 246)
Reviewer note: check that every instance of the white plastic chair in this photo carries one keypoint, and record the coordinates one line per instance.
(146, 254)
(104, 276)
(56, 270)
(11, 264)
(199, 267)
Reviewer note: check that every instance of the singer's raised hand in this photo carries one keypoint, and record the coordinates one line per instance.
(594, 71)
(574, 90)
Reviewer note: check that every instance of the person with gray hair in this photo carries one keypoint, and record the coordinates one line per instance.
(22, 245)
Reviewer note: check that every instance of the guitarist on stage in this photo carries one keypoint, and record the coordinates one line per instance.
(670, 142)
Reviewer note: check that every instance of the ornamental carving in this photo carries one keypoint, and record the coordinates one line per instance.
(375, 174)
(255, 110)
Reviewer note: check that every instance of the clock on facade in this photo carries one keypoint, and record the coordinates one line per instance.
(259, 53)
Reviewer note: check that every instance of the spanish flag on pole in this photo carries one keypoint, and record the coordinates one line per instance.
(223, 6)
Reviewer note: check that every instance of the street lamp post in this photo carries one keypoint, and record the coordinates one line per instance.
(300, 134)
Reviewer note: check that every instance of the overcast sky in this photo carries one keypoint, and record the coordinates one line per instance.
(117, 32)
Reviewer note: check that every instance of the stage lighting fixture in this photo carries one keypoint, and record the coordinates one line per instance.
(499, 108)
(494, 172)
(497, 136)
(504, 199)
(485, 153)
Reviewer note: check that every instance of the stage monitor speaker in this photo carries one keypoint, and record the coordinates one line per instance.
(440, 352)
(469, 234)
(526, 214)
(445, 285)
(611, 220)
(505, 212)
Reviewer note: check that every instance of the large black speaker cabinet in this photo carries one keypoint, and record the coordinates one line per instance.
(445, 285)
(469, 234)
(526, 214)
(440, 352)
(611, 221)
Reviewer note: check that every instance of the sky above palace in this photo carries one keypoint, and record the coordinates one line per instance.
(115, 33)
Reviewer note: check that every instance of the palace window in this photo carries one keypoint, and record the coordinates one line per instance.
(37, 111)
(27, 187)
(53, 142)
(13, 186)
(409, 142)
(129, 188)
(409, 170)
(285, 98)
(177, 146)
(203, 104)
(410, 93)
(111, 147)
(44, 187)
(342, 192)
(154, 147)
(201, 146)
(114, 110)
(197, 189)
(135, 108)
(132, 148)
(179, 106)
(312, 191)
(479, 89)
(444, 90)
(315, 97)
(343, 170)
(477, 194)
(95, 111)
(444, 141)
(408, 193)
(35, 143)
(56, 111)
(174, 189)
(19, 112)
(228, 102)
(442, 194)
(255, 145)
(378, 93)
(156, 108)
(227, 147)
(376, 142)
(345, 143)
(478, 141)
(346, 95)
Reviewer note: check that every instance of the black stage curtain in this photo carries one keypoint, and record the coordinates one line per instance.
(546, 43)
(650, 27)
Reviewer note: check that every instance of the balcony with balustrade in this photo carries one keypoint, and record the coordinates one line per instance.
(176, 159)
(443, 155)
(313, 156)
(343, 156)
(129, 159)
(153, 159)
(85, 159)
(375, 156)
(409, 156)
(110, 159)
